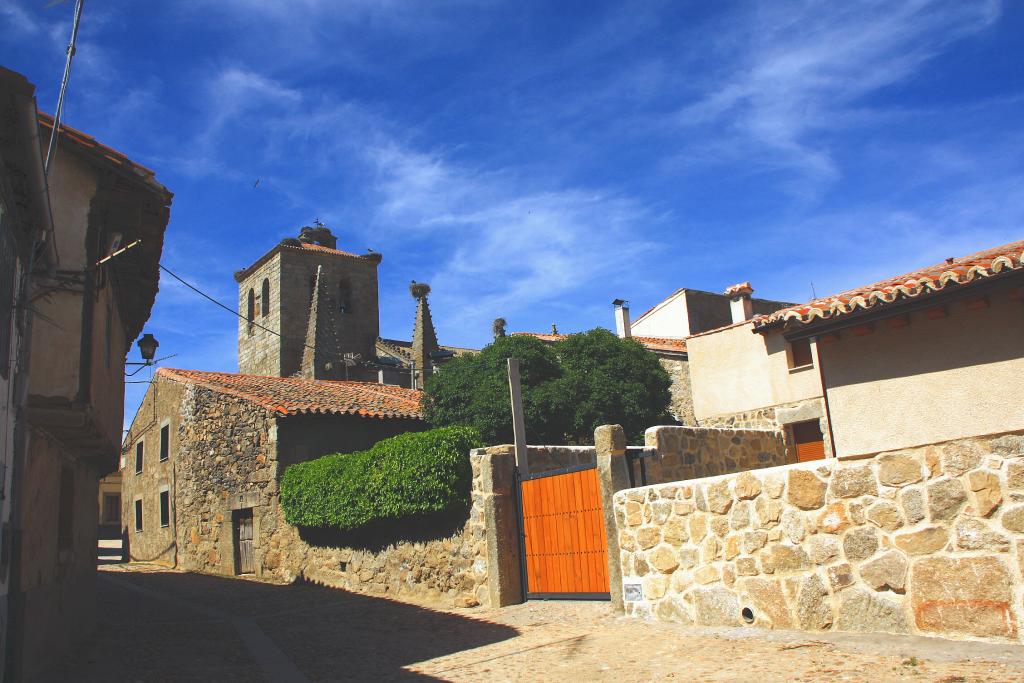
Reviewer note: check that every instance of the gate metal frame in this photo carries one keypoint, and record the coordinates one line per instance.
(521, 528)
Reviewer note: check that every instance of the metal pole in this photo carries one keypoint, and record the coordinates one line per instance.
(518, 419)
(63, 87)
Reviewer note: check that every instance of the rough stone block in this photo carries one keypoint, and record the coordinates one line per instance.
(675, 533)
(663, 559)
(739, 516)
(968, 595)
(1015, 476)
(985, 490)
(974, 534)
(840, 576)
(812, 606)
(912, 501)
(805, 490)
(746, 566)
(753, 541)
(746, 486)
(1013, 519)
(793, 526)
(821, 549)
(698, 527)
(960, 456)
(706, 574)
(885, 515)
(716, 607)
(923, 542)
(768, 601)
(719, 497)
(852, 482)
(768, 511)
(784, 558)
(860, 544)
(886, 572)
(860, 610)
(833, 519)
(898, 469)
(673, 609)
(654, 587)
(945, 499)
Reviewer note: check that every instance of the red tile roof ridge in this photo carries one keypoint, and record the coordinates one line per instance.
(960, 271)
(299, 395)
(660, 343)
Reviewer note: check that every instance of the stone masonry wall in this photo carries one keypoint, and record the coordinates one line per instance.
(681, 405)
(693, 452)
(777, 418)
(927, 540)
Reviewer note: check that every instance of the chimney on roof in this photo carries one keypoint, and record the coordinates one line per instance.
(739, 301)
(622, 326)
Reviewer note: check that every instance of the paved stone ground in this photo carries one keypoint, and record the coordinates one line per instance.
(160, 625)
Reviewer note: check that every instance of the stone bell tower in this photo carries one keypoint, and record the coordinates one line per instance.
(306, 306)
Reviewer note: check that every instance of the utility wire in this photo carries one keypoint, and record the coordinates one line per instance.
(228, 308)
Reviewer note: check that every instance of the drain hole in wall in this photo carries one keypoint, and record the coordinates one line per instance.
(748, 615)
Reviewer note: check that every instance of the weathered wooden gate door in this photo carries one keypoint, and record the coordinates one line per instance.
(243, 532)
(564, 545)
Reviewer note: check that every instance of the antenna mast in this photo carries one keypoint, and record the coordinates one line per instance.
(63, 87)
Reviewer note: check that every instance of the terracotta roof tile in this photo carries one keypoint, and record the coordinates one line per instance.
(296, 395)
(956, 272)
(90, 145)
(651, 343)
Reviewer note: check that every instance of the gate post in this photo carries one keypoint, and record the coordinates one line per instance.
(501, 525)
(613, 475)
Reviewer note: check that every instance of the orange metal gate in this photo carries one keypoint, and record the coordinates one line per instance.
(564, 545)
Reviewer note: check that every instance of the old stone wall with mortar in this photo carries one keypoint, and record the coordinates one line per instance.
(694, 452)
(927, 541)
(681, 405)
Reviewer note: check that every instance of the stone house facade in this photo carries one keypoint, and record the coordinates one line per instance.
(92, 203)
(206, 451)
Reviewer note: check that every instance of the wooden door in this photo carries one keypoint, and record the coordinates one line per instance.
(565, 547)
(243, 533)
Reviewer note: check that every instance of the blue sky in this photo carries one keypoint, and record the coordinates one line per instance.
(535, 160)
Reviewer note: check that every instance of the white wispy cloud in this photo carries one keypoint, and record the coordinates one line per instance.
(800, 69)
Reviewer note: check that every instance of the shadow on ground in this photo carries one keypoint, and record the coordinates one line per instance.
(167, 626)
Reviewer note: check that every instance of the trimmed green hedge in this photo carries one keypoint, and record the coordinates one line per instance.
(410, 474)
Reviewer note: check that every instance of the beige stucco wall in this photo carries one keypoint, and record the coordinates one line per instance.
(735, 370)
(667, 319)
(931, 381)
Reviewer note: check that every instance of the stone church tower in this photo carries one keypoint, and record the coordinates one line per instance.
(321, 303)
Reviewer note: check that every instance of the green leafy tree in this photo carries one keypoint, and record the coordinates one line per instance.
(472, 390)
(569, 388)
(611, 381)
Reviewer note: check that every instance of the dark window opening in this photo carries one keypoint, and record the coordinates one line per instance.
(165, 508)
(138, 515)
(265, 298)
(800, 353)
(139, 449)
(165, 446)
(344, 297)
(111, 508)
(250, 308)
(66, 505)
(809, 441)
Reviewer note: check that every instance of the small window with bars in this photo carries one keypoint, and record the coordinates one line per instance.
(139, 452)
(138, 514)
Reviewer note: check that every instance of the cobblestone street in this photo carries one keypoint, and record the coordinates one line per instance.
(158, 625)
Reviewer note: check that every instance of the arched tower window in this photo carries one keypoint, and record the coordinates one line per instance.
(250, 308)
(344, 297)
(265, 298)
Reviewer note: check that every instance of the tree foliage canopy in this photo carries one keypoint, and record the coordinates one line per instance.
(569, 388)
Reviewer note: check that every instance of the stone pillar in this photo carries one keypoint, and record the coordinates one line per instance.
(613, 475)
(498, 487)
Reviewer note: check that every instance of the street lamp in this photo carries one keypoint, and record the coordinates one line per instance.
(147, 347)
